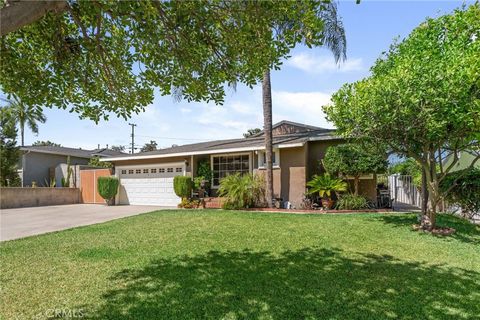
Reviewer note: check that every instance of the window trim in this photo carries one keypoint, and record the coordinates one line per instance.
(250, 162)
(261, 155)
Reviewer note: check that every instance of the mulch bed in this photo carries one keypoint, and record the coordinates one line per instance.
(295, 211)
(439, 231)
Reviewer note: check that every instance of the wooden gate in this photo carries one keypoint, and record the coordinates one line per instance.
(88, 184)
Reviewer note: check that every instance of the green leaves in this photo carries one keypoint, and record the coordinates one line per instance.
(106, 57)
(354, 159)
(325, 184)
(423, 92)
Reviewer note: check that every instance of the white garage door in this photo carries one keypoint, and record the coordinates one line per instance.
(149, 185)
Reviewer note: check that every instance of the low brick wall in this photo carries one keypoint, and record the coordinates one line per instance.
(36, 197)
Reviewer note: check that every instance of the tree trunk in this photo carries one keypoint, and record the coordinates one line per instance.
(429, 168)
(267, 129)
(424, 193)
(356, 182)
(22, 133)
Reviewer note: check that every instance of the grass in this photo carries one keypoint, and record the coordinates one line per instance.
(243, 265)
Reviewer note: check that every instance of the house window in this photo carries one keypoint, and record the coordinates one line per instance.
(138, 171)
(161, 170)
(262, 161)
(169, 169)
(145, 170)
(124, 171)
(223, 166)
(178, 170)
(153, 170)
(130, 171)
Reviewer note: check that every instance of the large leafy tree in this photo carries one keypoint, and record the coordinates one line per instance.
(319, 27)
(9, 153)
(26, 115)
(46, 143)
(149, 146)
(355, 160)
(106, 57)
(422, 99)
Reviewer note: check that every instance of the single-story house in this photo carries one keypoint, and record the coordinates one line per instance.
(39, 164)
(147, 178)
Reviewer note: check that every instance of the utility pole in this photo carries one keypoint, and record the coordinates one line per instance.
(133, 125)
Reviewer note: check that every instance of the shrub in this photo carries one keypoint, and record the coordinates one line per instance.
(325, 185)
(107, 187)
(352, 202)
(182, 186)
(464, 190)
(191, 203)
(204, 170)
(242, 191)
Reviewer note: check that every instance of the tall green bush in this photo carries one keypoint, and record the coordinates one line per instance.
(462, 188)
(107, 187)
(242, 191)
(182, 186)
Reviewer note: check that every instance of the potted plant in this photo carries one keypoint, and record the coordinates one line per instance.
(325, 185)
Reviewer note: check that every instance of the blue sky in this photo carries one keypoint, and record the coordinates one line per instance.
(303, 85)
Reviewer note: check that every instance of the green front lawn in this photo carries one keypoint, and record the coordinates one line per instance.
(244, 265)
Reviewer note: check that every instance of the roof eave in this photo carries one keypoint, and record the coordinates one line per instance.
(202, 152)
(56, 153)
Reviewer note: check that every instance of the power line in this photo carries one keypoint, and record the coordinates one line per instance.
(171, 138)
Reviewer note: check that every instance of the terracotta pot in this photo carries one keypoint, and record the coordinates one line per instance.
(327, 203)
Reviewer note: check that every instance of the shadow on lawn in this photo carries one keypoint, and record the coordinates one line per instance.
(310, 283)
(465, 230)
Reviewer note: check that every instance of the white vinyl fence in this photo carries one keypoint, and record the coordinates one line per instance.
(403, 191)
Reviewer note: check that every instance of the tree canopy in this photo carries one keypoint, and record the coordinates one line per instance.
(46, 143)
(354, 160)
(252, 132)
(9, 152)
(101, 57)
(423, 97)
(149, 146)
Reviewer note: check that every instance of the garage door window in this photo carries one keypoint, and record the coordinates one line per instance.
(170, 170)
(153, 170)
(130, 171)
(226, 165)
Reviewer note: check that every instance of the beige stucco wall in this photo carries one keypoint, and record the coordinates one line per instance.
(36, 197)
(366, 187)
(316, 152)
(289, 180)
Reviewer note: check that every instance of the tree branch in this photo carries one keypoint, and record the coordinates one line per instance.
(18, 14)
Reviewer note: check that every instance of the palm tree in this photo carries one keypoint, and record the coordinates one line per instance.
(333, 39)
(25, 115)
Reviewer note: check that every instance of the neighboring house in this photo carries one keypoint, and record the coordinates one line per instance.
(147, 178)
(43, 163)
(465, 159)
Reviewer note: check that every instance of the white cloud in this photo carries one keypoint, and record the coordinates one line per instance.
(185, 110)
(303, 107)
(311, 63)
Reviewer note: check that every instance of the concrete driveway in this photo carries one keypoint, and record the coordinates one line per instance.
(24, 222)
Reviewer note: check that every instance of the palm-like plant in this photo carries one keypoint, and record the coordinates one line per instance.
(325, 185)
(25, 115)
(241, 191)
(333, 38)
